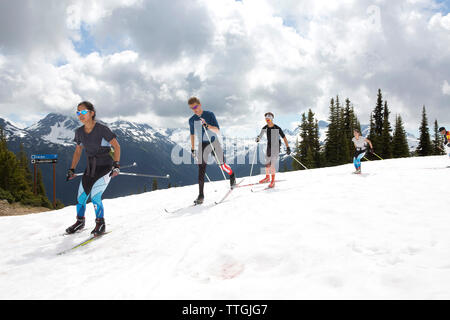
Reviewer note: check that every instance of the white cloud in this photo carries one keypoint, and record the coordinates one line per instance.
(446, 88)
(240, 58)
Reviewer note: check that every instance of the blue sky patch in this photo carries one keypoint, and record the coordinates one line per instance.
(87, 44)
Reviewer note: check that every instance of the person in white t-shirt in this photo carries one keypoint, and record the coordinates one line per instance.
(361, 148)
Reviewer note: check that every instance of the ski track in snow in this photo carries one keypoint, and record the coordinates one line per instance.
(320, 234)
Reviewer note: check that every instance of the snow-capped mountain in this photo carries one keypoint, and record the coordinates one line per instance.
(55, 128)
(11, 131)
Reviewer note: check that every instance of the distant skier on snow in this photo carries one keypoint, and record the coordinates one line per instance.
(96, 139)
(360, 143)
(205, 126)
(273, 133)
(446, 135)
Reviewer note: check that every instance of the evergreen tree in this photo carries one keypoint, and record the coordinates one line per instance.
(155, 185)
(15, 178)
(349, 121)
(308, 150)
(297, 153)
(12, 178)
(438, 142)
(385, 138)
(315, 141)
(338, 147)
(376, 122)
(332, 137)
(23, 163)
(343, 145)
(372, 135)
(302, 146)
(40, 191)
(378, 114)
(425, 148)
(400, 148)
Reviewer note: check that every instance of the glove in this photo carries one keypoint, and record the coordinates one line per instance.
(193, 153)
(204, 123)
(70, 174)
(288, 151)
(371, 150)
(257, 139)
(115, 169)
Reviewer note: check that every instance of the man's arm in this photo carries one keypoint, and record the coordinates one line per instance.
(288, 150)
(192, 142)
(286, 142)
(213, 128)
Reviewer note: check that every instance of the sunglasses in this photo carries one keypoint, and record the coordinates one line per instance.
(82, 112)
(269, 119)
(195, 107)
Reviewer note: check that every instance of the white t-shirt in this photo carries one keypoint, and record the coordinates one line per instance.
(360, 143)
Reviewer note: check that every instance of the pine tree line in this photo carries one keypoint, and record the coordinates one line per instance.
(338, 148)
(16, 181)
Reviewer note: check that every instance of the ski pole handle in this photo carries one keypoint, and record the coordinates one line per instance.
(134, 164)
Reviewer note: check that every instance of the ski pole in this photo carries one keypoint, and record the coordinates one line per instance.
(253, 161)
(215, 155)
(143, 175)
(366, 158)
(378, 156)
(134, 164)
(298, 161)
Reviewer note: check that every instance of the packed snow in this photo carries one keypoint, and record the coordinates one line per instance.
(320, 234)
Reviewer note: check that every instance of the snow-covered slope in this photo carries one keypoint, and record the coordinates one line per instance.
(323, 233)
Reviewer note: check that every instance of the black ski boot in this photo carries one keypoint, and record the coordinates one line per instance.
(99, 227)
(199, 199)
(232, 181)
(76, 226)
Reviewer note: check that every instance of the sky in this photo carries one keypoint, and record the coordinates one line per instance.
(140, 60)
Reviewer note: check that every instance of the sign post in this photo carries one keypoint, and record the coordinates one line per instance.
(45, 158)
